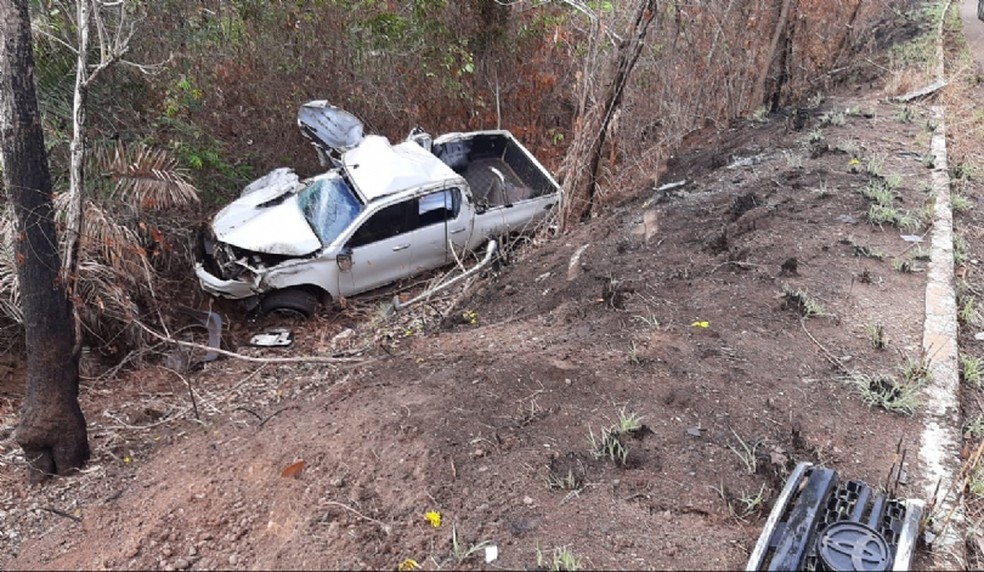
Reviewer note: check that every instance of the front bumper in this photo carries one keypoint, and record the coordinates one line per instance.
(234, 289)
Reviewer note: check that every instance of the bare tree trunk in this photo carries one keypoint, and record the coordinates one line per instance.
(52, 431)
(843, 43)
(76, 187)
(593, 128)
(759, 97)
(74, 220)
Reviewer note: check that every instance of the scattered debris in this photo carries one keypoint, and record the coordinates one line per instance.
(921, 92)
(343, 340)
(491, 553)
(574, 266)
(182, 358)
(664, 193)
(738, 162)
(279, 337)
(671, 186)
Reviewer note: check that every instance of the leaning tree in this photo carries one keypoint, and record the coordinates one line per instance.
(52, 431)
(597, 114)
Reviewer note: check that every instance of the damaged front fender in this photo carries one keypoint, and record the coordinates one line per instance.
(232, 273)
(234, 288)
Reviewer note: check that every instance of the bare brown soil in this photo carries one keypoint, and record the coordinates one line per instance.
(486, 415)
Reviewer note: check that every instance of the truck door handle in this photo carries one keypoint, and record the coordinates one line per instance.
(456, 230)
(401, 247)
(548, 206)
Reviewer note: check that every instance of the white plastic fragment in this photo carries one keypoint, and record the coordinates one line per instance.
(491, 553)
(273, 338)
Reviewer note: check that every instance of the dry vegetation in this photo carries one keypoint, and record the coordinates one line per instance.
(227, 77)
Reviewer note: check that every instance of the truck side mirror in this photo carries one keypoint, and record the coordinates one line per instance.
(344, 260)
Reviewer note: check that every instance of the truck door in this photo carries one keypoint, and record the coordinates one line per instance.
(379, 250)
(437, 215)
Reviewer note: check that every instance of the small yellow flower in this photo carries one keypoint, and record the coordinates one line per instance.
(701, 324)
(408, 564)
(433, 517)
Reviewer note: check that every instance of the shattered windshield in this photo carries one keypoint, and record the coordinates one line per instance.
(329, 207)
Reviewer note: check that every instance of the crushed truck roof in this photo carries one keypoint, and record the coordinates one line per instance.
(377, 168)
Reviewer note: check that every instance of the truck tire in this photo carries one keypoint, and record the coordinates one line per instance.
(291, 302)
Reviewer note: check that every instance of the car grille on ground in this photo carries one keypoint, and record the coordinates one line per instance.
(821, 523)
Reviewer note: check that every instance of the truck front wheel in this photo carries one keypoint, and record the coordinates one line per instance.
(291, 302)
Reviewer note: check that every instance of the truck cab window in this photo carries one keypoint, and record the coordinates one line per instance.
(387, 223)
(438, 207)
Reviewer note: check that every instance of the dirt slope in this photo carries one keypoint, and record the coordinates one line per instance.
(684, 308)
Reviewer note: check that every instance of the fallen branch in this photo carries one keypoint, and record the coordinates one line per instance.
(967, 472)
(67, 515)
(490, 251)
(182, 412)
(150, 425)
(921, 92)
(386, 527)
(191, 392)
(830, 357)
(737, 263)
(300, 359)
(250, 411)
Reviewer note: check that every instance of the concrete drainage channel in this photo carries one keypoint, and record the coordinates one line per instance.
(939, 449)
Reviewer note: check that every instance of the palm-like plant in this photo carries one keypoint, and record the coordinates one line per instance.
(114, 279)
(146, 178)
(9, 288)
(116, 275)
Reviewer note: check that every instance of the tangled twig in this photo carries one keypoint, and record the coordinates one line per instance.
(300, 359)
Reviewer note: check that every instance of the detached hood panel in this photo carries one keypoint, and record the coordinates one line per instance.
(329, 127)
(267, 218)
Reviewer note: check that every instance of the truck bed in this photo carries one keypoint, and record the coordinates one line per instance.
(499, 171)
(487, 188)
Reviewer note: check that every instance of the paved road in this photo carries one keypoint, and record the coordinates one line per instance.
(973, 29)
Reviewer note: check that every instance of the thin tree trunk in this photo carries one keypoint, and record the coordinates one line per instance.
(76, 186)
(74, 221)
(759, 96)
(842, 43)
(581, 188)
(52, 431)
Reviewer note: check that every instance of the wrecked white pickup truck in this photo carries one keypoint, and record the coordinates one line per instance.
(383, 212)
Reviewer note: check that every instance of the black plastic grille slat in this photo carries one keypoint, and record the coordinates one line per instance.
(820, 523)
(843, 503)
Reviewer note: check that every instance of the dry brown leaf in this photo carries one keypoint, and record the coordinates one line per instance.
(293, 471)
